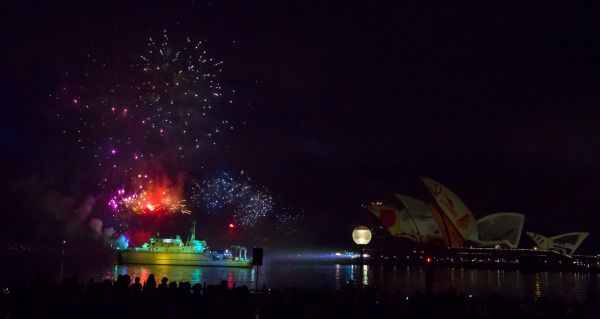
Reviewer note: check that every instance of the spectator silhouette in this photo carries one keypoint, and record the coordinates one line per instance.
(136, 286)
(150, 284)
(163, 286)
(114, 299)
(184, 288)
(172, 286)
(123, 282)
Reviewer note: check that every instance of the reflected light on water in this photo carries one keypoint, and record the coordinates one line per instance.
(338, 275)
(208, 275)
(405, 279)
(537, 293)
(196, 275)
(230, 281)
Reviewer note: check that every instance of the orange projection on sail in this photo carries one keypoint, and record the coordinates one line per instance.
(456, 213)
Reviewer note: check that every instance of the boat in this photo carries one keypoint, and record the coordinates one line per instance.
(173, 251)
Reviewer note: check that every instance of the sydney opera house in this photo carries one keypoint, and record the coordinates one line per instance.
(445, 219)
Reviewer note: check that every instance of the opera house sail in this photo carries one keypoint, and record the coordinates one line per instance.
(446, 219)
(502, 229)
(422, 218)
(564, 244)
(456, 221)
(396, 221)
(414, 223)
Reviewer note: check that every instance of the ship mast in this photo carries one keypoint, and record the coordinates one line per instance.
(193, 232)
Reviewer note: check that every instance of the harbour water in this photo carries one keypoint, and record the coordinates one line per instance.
(572, 287)
(278, 273)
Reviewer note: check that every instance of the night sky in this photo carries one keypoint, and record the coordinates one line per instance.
(343, 104)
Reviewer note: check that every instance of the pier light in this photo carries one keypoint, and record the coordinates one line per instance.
(361, 235)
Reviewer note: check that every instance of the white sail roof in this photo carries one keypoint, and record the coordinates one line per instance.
(564, 244)
(396, 221)
(420, 215)
(500, 229)
(453, 207)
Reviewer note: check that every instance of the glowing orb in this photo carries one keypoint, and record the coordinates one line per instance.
(361, 235)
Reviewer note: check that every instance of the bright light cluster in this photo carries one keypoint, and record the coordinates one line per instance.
(247, 204)
(147, 196)
(143, 201)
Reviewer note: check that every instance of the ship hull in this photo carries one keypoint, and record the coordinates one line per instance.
(183, 259)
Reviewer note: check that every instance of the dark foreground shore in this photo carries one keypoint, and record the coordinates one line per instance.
(126, 298)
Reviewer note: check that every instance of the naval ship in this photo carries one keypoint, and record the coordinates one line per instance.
(173, 251)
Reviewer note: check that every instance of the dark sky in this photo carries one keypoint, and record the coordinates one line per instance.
(346, 104)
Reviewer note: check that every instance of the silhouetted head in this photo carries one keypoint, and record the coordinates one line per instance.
(164, 280)
(151, 281)
(137, 280)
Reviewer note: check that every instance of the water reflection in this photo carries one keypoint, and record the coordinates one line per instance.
(537, 293)
(404, 279)
(337, 276)
(209, 275)
(196, 275)
(230, 281)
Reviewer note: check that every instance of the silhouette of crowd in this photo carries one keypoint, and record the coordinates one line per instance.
(124, 298)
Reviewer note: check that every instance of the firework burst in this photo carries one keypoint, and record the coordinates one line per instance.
(248, 204)
(147, 196)
(155, 113)
(165, 102)
(287, 220)
(181, 88)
